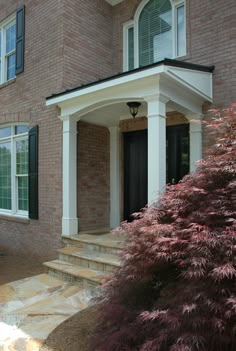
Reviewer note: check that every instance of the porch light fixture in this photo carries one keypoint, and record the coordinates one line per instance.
(133, 107)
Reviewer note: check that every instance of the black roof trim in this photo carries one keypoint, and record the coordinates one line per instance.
(166, 62)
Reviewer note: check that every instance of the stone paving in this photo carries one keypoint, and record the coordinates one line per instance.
(32, 307)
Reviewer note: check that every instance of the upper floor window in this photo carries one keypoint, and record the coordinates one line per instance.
(8, 50)
(14, 169)
(12, 43)
(157, 32)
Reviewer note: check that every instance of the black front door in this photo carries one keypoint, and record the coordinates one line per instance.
(177, 153)
(135, 164)
(135, 172)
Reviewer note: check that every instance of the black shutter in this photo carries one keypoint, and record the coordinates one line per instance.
(33, 173)
(20, 39)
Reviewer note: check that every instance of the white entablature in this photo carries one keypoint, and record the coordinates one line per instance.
(186, 86)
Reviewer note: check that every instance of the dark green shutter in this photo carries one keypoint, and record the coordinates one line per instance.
(20, 39)
(33, 173)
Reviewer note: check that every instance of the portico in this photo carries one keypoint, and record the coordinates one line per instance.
(163, 87)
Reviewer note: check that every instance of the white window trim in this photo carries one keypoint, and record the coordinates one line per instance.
(134, 23)
(3, 27)
(14, 212)
(126, 27)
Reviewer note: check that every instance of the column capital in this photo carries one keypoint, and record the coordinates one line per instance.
(156, 106)
(158, 97)
(66, 118)
(195, 126)
(114, 129)
(195, 116)
(69, 124)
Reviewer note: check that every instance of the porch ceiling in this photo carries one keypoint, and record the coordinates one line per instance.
(185, 86)
(113, 2)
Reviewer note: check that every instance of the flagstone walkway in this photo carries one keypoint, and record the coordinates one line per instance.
(32, 307)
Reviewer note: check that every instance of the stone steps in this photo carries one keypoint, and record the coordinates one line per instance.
(87, 259)
(106, 243)
(84, 277)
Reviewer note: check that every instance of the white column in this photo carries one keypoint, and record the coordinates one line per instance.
(195, 136)
(156, 146)
(69, 216)
(114, 176)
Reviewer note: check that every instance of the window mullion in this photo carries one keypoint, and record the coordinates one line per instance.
(7, 54)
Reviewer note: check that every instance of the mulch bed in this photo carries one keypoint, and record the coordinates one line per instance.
(14, 267)
(74, 334)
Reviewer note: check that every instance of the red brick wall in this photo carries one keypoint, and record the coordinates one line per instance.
(93, 176)
(24, 100)
(71, 42)
(87, 41)
(211, 33)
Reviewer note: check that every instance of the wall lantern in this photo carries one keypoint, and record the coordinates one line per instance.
(133, 107)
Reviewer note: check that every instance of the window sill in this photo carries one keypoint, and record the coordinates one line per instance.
(184, 58)
(9, 82)
(17, 219)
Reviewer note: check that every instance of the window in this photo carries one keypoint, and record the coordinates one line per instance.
(157, 32)
(12, 43)
(8, 49)
(14, 169)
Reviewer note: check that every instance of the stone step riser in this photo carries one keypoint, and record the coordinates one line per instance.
(80, 281)
(91, 246)
(83, 262)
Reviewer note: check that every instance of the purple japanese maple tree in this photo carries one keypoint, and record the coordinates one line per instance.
(176, 289)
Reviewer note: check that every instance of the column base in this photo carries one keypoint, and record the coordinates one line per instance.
(69, 226)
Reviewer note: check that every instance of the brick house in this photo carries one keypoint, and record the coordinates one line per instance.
(68, 68)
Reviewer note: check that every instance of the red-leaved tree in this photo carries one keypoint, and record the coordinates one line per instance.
(176, 288)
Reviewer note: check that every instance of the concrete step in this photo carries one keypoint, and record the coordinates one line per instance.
(105, 243)
(90, 259)
(84, 277)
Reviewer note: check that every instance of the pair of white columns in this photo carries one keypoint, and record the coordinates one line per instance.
(156, 116)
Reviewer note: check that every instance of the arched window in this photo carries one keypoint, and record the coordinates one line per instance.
(157, 32)
(154, 32)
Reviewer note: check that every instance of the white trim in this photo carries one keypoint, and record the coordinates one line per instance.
(13, 138)
(106, 85)
(176, 5)
(126, 27)
(156, 141)
(69, 200)
(186, 88)
(136, 22)
(114, 176)
(195, 137)
(3, 27)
